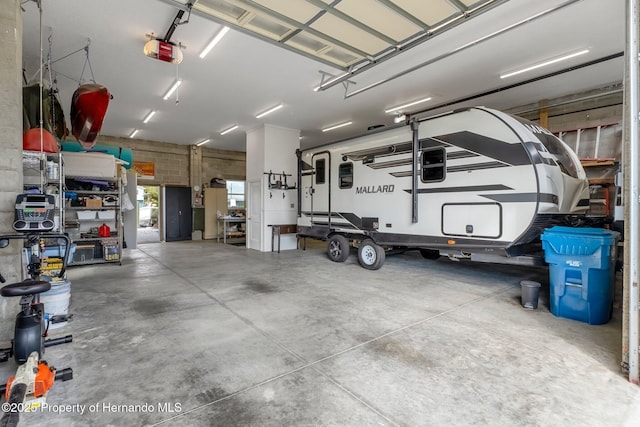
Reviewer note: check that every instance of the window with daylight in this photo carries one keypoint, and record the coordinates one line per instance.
(235, 194)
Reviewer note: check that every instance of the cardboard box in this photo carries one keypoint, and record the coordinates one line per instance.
(93, 203)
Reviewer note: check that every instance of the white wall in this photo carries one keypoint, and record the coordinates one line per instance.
(272, 148)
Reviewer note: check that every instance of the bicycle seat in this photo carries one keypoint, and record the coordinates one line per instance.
(26, 287)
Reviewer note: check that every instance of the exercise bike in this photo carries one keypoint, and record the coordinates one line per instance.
(31, 324)
(34, 377)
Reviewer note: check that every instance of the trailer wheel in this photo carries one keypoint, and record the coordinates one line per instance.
(430, 253)
(338, 248)
(370, 255)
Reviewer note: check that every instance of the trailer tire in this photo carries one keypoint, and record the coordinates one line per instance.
(430, 253)
(370, 255)
(338, 248)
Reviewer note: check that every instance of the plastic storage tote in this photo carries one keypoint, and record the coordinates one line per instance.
(581, 272)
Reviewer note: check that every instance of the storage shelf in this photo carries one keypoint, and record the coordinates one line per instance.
(93, 244)
(84, 208)
(92, 178)
(94, 193)
(93, 239)
(95, 220)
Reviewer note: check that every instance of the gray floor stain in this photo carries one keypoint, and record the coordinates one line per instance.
(151, 307)
(259, 286)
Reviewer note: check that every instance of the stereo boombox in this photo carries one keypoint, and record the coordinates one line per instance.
(34, 212)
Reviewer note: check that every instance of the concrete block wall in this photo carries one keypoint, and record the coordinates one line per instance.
(10, 146)
(172, 161)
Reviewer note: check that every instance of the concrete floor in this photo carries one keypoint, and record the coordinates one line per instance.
(201, 333)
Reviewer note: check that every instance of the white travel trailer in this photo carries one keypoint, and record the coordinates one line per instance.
(474, 183)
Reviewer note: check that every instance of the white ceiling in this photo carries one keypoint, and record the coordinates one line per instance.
(245, 75)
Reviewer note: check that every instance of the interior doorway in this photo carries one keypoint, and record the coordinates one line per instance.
(147, 214)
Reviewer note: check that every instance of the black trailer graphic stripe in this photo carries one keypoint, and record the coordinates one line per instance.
(324, 214)
(353, 219)
(513, 154)
(471, 188)
(476, 166)
(522, 197)
(334, 225)
(461, 155)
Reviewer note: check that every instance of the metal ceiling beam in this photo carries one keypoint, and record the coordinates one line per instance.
(298, 25)
(450, 53)
(335, 12)
(458, 5)
(305, 26)
(406, 15)
(360, 67)
(250, 33)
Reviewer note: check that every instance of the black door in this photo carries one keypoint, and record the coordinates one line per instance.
(177, 213)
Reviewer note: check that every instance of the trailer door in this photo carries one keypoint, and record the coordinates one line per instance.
(321, 188)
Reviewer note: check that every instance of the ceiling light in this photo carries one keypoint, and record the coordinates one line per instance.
(149, 116)
(269, 111)
(336, 126)
(134, 133)
(226, 131)
(544, 64)
(203, 142)
(172, 89)
(214, 41)
(410, 104)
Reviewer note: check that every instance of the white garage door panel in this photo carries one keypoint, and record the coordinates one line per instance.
(472, 220)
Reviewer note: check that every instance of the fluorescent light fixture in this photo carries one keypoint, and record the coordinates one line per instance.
(336, 126)
(134, 133)
(214, 42)
(149, 116)
(269, 111)
(545, 63)
(409, 104)
(231, 129)
(204, 141)
(172, 89)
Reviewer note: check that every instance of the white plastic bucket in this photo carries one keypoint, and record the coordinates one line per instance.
(56, 301)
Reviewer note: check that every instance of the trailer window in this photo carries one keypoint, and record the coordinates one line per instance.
(345, 175)
(320, 171)
(433, 164)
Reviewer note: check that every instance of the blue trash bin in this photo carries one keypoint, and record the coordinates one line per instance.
(581, 272)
